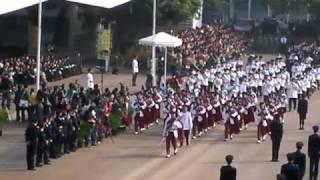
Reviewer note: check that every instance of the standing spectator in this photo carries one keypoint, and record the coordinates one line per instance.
(135, 70)
(276, 137)
(313, 152)
(33, 103)
(300, 159)
(6, 86)
(17, 98)
(90, 81)
(31, 137)
(302, 110)
(24, 102)
(228, 172)
(290, 170)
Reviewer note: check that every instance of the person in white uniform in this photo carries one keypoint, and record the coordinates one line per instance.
(90, 81)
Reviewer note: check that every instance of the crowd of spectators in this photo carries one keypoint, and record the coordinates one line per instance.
(211, 41)
(22, 70)
(63, 119)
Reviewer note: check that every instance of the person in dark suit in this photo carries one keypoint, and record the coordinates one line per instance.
(276, 137)
(31, 137)
(313, 152)
(228, 172)
(281, 177)
(290, 170)
(302, 110)
(300, 159)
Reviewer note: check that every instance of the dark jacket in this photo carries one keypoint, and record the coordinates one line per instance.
(31, 134)
(302, 106)
(290, 171)
(228, 173)
(300, 160)
(314, 146)
(276, 130)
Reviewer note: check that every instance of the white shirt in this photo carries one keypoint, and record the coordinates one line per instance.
(186, 120)
(135, 66)
(90, 81)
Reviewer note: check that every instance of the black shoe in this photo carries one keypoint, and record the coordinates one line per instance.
(32, 169)
(47, 163)
(38, 165)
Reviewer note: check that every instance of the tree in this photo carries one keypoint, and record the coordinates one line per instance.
(168, 11)
(314, 9)
(216, 4)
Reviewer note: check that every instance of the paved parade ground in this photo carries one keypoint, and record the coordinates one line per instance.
(141, 157)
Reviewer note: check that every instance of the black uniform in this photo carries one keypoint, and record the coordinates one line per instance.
(302, 110)
(74, 132)
(276, 136)
(53, 146)
(41, 145)
(228, 173)
(31, 136)
(48, 143)
(300, 160)
(290, 171)
(313, 153)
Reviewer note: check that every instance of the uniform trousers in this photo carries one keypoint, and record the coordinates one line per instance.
(170, 140)
(314, 165)
(292, 103)
(31, 152)
(275, 148)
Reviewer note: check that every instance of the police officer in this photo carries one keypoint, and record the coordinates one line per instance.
(48, 141)
(276, 137)
(302, 110)
(313, 153)
(228, 172)
(31, 137)
(75, 130)
(300, 159)
(41, 143)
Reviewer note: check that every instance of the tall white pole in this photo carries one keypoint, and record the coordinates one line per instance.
(39, 43)
(249, 9)
(165, 66)
(153, 66)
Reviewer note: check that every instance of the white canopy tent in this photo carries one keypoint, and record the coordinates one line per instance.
(163, 40)
(14, 5)
(101, 3)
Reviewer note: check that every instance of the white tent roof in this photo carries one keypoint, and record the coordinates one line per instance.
(13, 5)
(101, 3)
(162, 40)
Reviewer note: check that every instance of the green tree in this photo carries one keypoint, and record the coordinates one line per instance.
(168, 11)
(314, 9)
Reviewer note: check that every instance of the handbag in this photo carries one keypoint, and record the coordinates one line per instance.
(23, 103)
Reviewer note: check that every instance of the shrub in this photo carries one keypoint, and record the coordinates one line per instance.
(85, 128)
(3, 118)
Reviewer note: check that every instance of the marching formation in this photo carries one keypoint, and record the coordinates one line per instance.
(230, 93)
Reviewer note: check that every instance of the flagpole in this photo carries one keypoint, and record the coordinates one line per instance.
(39, 43)
(153, 63)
